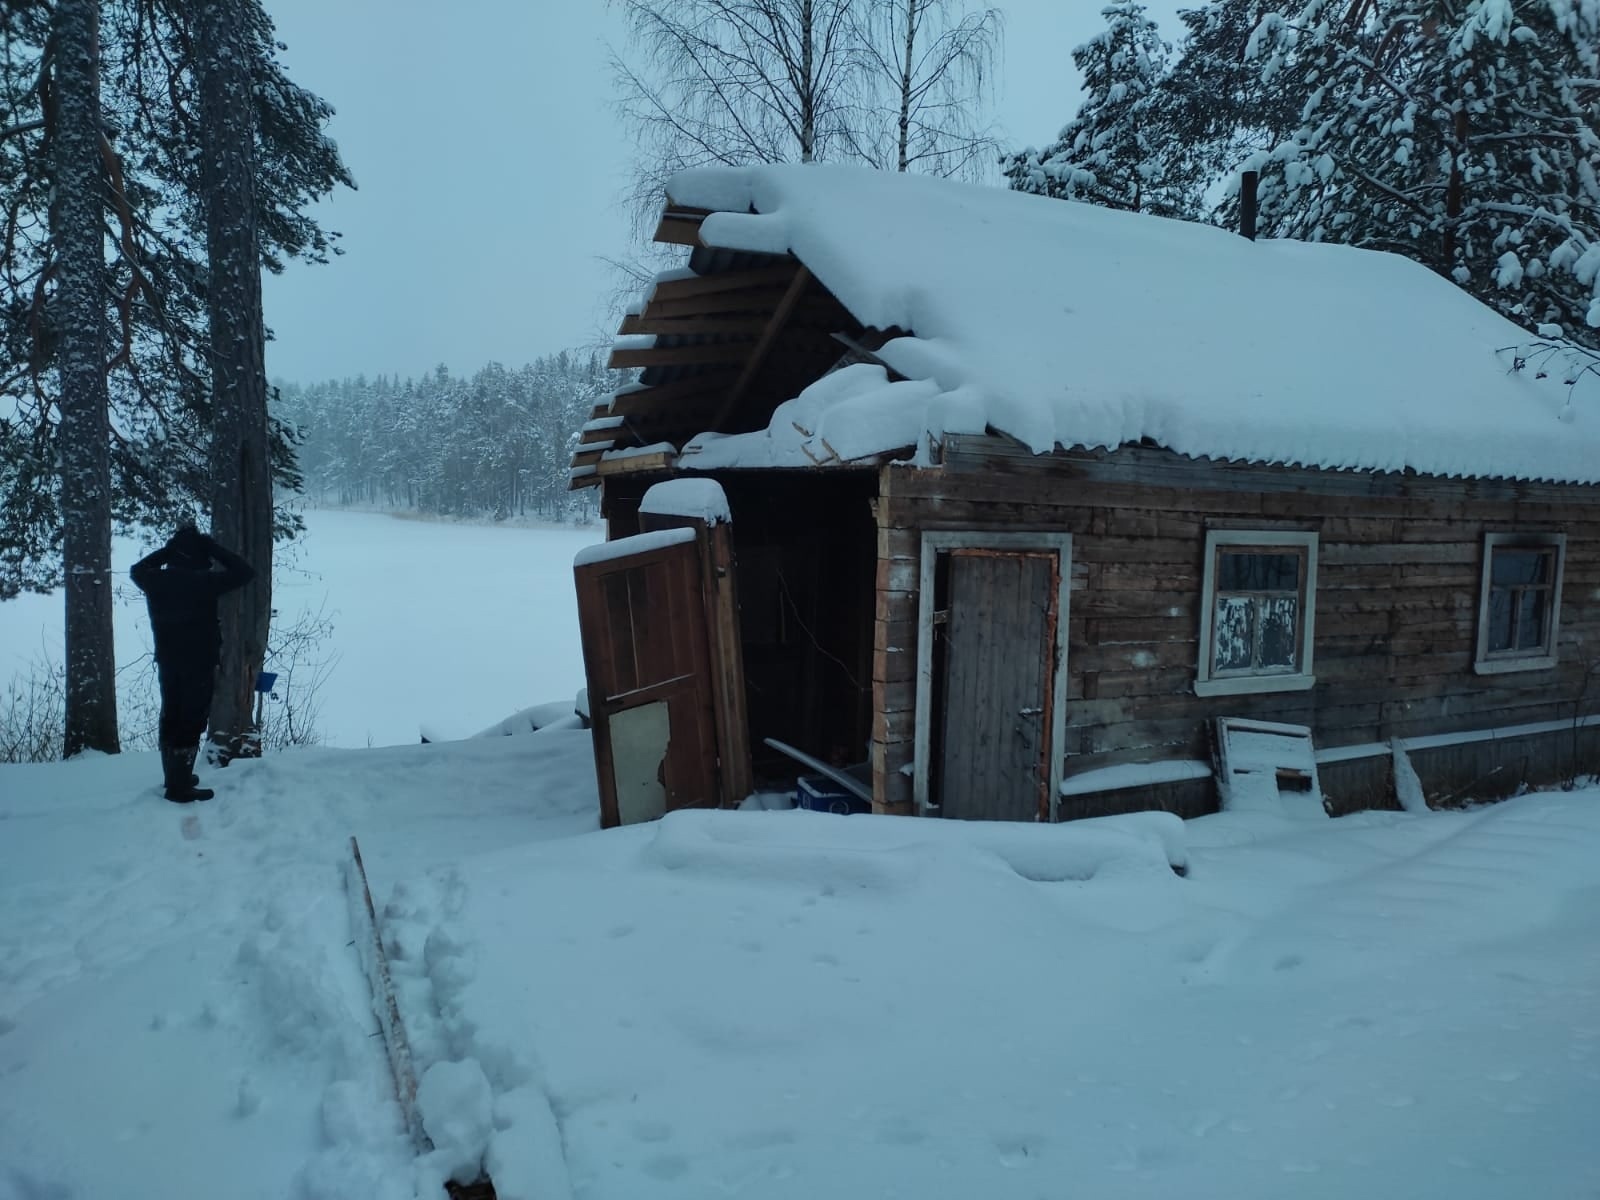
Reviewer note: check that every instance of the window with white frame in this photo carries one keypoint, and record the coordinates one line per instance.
(1258, 609)
(1519, 602)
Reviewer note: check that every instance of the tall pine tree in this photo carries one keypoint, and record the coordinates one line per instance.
(1110, 153)
(78, 319)
(1463, 135)
(241, 483)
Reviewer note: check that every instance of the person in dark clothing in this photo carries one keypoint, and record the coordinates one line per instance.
(181, 587)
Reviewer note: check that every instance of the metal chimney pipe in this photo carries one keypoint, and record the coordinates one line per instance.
(1247, 204)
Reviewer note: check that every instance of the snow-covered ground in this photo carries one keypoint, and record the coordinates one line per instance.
(762, 1004)
(435, 624)
(781, 1004)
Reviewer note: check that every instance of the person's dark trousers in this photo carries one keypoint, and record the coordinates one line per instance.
(186, 686)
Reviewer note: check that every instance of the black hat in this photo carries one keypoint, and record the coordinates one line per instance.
(189, 546)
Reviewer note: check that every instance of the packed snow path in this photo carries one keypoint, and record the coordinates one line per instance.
(781, 1004)
(180, 1004)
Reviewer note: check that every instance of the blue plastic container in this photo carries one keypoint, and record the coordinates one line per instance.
(266, 681)
(820, 794)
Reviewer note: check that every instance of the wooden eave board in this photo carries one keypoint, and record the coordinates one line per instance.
(680, 226)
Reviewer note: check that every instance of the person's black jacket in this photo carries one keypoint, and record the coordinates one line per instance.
(182, 597)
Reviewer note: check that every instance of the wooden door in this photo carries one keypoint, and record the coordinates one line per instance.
(642, 621)
(996, 708)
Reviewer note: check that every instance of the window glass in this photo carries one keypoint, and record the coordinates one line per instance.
(1511, 567)
(1233, 642)
(1500, 620)
(1245, 572)
(1530, 620)
(1279, 617)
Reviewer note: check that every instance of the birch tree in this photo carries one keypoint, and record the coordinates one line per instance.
(897, 84)
(78, 318)
(933, 69)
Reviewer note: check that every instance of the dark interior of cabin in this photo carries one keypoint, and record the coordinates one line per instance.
(806, 548)
(807, 558)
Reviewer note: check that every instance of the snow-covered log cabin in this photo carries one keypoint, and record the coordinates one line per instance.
(1025, 495)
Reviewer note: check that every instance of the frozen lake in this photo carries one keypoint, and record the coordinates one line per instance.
(446, 625)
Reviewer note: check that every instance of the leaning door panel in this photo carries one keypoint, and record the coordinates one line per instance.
(649, 676)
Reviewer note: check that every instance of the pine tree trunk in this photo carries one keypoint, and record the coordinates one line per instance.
(80, 324)
(241, 485)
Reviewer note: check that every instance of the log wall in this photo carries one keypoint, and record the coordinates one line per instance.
(1398, 576)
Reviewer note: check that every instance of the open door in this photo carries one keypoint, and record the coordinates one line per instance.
(991, 674)
(642, 619)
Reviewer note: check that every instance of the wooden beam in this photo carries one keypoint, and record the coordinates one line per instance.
(680, 226)
(752, 365)
(733, 324)
(678, 356)
(634, 464)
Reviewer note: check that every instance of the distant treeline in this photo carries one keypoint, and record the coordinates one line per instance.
(494, 445)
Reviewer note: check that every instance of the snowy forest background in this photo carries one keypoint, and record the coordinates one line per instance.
(156, 159)
(493, 445)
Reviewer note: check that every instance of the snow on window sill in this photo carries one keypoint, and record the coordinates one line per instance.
(1504, 666)
(1241, 685)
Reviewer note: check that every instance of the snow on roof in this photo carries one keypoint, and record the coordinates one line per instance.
(1062, 323)
(700, 498)
(852, 414)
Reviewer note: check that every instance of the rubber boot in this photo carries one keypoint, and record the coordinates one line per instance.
(177, 765)
(189, 757)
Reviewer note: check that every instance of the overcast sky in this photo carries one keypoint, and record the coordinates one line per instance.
(490, 161)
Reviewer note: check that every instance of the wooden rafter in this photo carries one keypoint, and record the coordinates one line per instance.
(758, 355)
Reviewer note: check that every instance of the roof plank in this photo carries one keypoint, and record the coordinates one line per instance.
(679, 356)
(731, 324)
(777, 275)
(657, 399)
